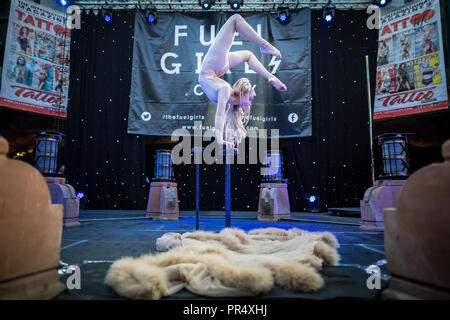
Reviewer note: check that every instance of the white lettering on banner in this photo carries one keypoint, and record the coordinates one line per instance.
(199, 56)
(202, 35)
(196, 90)
(179, 34)
(274, 62)
(236, 43)
(176, 66)
(247, 69)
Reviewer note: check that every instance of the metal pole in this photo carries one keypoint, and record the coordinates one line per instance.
(369, 99)
(197, 158)
(197, 194)
(227, 190)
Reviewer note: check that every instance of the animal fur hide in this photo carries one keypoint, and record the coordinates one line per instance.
(229, 263)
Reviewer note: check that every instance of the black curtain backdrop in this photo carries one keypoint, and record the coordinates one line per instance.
(102, 160)
(111, 166)
(334, 163)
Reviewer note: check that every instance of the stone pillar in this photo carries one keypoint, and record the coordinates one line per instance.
(163, 201)
(62, 193)
(273, 202)
(30, 232)
(416, 235)
(384, 194)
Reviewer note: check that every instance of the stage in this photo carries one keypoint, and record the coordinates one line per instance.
(107, 235)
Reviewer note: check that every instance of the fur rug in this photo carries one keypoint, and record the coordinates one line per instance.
(229, 263)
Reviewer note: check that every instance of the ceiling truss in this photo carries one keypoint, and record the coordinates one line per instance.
(220, 5)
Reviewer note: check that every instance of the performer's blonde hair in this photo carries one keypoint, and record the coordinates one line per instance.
(235, 127)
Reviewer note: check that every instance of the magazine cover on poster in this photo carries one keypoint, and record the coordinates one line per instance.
(410, 75)
(35, 73)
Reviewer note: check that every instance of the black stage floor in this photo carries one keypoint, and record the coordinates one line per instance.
(105, 236)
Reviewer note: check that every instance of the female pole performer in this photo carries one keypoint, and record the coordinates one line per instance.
(233, 102)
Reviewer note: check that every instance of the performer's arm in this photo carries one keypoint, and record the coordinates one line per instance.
(222, 99)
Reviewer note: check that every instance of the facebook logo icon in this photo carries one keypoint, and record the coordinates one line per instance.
(293, 117)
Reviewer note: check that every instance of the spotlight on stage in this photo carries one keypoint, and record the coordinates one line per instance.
(83, 200)
(382, 3)
(163, 197)
(395, 156)
(313, 203)
(107, 15)
(235, 4)
(206, 4)
(151, 16)
(328, 13)
(283, 15)
(64, 3)
(47, 145)
(273, 167)
(164, 165)
(273, 203)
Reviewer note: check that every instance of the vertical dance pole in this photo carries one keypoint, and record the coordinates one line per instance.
(197, 154)
(197, 195)
(228, 154)
(369, 98)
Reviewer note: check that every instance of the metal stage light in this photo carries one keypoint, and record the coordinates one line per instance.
(64, 3)
(235, 4)
(206, 4)
(283, 14)
(382, 3)
(394, 155)
(163, 197)
(107, 15)
(273, 167)
(328, 13)
(47, 145)
(151, 16)
(313, 203)
(163, 165)
(273, 203)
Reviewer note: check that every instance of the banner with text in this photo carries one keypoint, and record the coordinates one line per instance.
(35, 73)
(410, 75)
(166, 95)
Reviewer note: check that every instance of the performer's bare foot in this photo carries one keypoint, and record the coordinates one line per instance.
(274, 81)
(267, 48)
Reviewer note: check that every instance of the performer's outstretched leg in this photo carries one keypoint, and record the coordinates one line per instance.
(224, 39)
(237, 57)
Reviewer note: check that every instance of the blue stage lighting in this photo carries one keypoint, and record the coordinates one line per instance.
(80, 195)
(283, 15)
(107, 16)
(64, 3)
(151, 16)
(328, 13)
(313, 203)
(235, 4)
(382, 3)
(206, 4)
